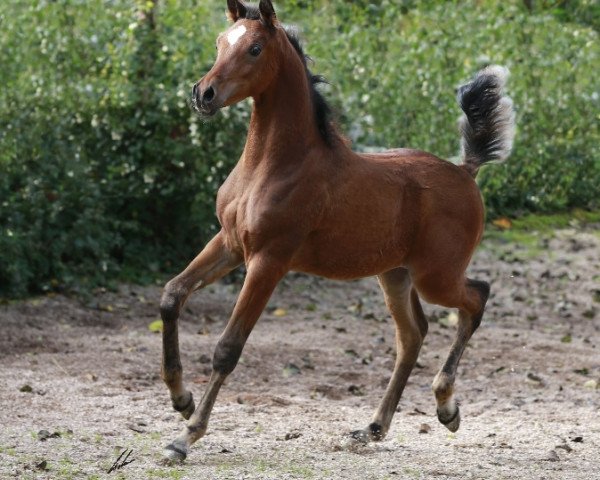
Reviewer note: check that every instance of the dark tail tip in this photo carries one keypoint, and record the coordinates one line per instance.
(488, 124)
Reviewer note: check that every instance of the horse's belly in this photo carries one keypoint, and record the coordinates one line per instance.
(349, 257)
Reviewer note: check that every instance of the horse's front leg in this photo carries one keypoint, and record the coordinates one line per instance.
(263, 275)
(212, 263)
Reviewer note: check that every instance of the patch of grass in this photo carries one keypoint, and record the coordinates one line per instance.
(300, 472)
(262, 466)
(144, 443)
(66, 469)
(8, 450)
(530, 232)
(412, 472)
(174, 473)
(311, 307)
(224, 467)
(550, 222)
(521, 237)
(510, 236)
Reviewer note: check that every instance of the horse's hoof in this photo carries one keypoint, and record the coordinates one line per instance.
(360, 437)
(450, 422)
(187, 409)
(175, 452)
(376, 432)
(355, 441)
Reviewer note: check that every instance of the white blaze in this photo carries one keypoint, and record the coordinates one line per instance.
(234, 35)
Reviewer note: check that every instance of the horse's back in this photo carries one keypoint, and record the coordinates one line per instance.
(380, 206)
(450, 212)
(445, 189)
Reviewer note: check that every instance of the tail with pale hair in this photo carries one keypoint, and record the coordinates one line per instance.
(488, 124)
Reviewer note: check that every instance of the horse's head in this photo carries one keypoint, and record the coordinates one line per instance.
(246, 58)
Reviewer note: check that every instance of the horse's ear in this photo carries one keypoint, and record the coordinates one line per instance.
(236, 10)
(267, 12)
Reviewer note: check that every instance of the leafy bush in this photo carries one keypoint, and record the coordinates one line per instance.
(396, 76)
(105, 172)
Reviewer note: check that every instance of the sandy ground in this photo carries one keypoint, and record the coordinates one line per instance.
(79, 380)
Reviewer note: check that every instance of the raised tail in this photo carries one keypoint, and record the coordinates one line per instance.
(488, 124)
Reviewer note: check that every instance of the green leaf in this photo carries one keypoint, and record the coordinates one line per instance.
(156, 326)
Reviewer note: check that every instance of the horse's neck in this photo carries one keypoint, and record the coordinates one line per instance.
(282, 126)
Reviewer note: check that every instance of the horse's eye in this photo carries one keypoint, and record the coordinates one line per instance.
(255, 50)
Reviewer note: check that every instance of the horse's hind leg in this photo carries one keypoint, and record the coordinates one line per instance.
(212, 263)
(411, 327)
(470, 300)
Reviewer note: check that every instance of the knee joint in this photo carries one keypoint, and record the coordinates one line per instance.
(483, 289)
(170, 303)
(226, 356)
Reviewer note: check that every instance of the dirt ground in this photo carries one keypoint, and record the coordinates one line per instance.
(79, 380)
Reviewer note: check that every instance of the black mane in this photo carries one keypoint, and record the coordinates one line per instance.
(321, 107)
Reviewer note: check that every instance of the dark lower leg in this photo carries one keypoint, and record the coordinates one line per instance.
(198, 422)
(411, 327)
(443, 384)
(171, 371)
(257, 289)
(211, 264)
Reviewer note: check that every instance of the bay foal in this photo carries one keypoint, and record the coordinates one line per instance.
(300, 199)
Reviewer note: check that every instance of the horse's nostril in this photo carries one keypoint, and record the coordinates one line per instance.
(208, 95)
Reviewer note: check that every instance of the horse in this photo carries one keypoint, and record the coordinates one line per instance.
(300, 199)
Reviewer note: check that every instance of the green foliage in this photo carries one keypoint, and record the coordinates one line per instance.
(105, 173)
(105, 170)
(396, 75)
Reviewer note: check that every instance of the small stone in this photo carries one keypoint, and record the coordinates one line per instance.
(43, 435)
(424, 428)
(292, 435)
(534, 377)
(565, 447)
(552, 457)
(451, 320)
(591, 384)
(416, 411)
(291, 369)
(356, 390)
(204, 358)
(204, 330)
(26, 389)
(137, 427)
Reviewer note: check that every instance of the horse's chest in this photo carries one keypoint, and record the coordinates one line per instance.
(247, 215)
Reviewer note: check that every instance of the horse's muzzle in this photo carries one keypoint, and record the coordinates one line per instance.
(203, 100)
